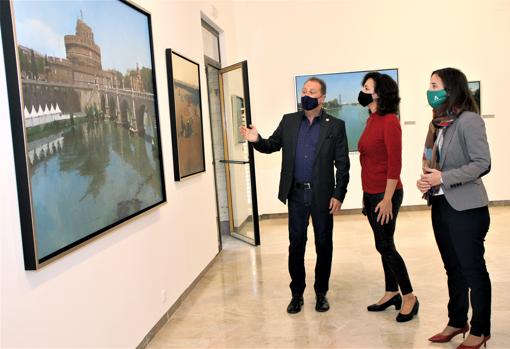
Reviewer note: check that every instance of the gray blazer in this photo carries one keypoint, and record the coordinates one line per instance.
(465, 158)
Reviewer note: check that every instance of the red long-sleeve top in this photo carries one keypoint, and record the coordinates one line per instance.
(380, 148)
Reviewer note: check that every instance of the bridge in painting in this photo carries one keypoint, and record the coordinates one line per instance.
(124, 106)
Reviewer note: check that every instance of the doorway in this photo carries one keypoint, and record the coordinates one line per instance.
(234, 173)
(238, 154)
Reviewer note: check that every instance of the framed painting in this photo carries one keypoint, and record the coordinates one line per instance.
(185, 115)
(84, 117)
(342, 99)
(474, 87)
(238, 117)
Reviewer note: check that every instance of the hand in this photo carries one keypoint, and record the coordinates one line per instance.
(334, 205)
(431, 176)
(423, 186)
(250, 134)
(385, 211)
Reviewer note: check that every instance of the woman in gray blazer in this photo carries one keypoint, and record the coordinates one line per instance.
(456, 156)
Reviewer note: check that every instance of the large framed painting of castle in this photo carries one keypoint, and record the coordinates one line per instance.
(185, 115)
(84, 117)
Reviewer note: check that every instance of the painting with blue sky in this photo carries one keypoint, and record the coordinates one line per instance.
(342, 99)
(42, 25)
(87, 111)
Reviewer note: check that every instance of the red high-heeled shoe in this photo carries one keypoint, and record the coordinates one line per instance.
(477, 346)
(441, 338)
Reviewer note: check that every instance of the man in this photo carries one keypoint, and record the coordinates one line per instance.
(312, 142)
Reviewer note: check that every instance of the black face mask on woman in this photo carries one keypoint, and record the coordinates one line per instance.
(365, 98)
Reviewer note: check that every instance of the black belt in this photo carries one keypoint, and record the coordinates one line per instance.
(303, 185)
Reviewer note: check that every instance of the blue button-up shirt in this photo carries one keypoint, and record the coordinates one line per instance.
(308, 137)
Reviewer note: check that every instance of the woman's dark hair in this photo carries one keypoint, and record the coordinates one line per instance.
(387, 90)
(459, 97)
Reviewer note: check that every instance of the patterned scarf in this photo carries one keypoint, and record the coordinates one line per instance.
(431, 153)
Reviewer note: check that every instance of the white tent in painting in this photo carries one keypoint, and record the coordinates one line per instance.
(43, 115)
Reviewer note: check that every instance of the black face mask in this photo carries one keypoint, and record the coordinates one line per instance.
(309, 103)
(365, 98)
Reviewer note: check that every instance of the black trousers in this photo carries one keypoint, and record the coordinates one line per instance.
(460, 236)
(301, 206)
(395, 271)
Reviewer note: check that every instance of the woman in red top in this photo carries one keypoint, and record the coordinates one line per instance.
(380, 148)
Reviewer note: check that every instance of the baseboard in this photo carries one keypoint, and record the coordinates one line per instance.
(350, 211)
(155, 329)
(247, 221)
(499, 203)
(266, 216)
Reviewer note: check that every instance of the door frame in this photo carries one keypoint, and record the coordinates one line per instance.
(251, 156)
(216, 65)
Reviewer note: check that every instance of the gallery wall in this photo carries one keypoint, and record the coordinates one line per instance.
(281, 39)
(112, 291)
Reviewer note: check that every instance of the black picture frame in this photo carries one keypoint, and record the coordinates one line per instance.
(92, 128)
(476, 90)
(185, 115)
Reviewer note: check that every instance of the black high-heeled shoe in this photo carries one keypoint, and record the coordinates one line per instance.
(396, 300)
(408, 317)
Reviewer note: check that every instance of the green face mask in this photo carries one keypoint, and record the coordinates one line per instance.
(436, 98)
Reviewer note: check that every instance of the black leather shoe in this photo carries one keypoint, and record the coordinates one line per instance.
(295, 304)
(396, 300)
(408, 317)
(322, 304)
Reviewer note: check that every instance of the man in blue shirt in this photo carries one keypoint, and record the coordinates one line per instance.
(313, 144)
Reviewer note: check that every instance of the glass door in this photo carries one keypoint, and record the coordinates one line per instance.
(238, 154)
(213, 88)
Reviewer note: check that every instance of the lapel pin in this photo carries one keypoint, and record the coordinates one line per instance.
(327, 119)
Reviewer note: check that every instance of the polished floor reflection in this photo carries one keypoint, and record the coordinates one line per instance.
(241, 300)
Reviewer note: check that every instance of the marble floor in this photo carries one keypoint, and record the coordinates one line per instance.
(241, 301)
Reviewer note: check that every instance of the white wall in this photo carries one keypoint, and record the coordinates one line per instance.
(287, 38)
(109, 293)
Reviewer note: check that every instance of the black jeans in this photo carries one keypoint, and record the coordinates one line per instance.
(460, 236)
(301, 206)
(395, 271)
